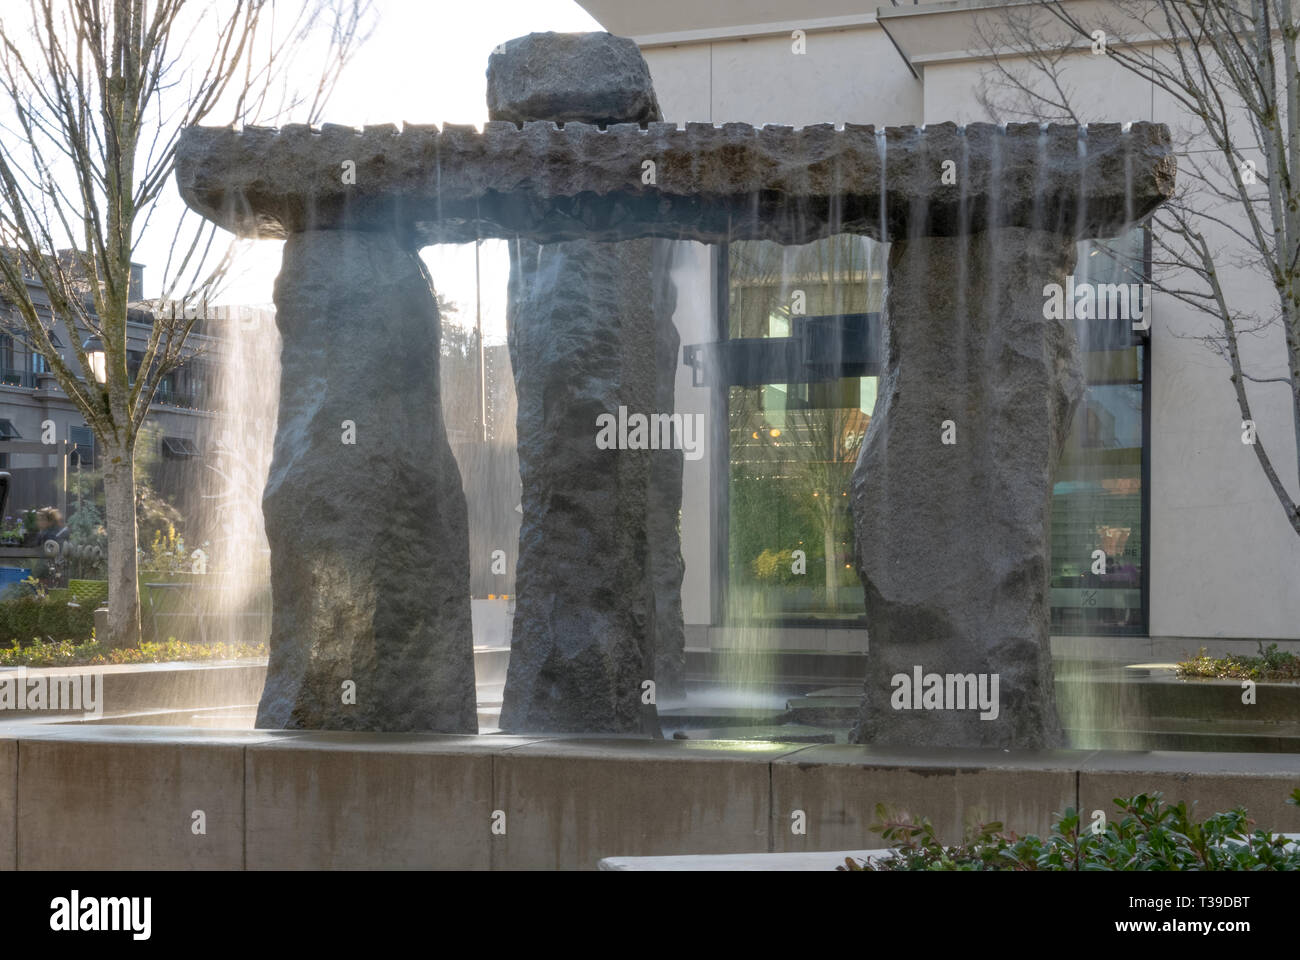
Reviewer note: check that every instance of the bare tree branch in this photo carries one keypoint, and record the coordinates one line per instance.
(1231, 68)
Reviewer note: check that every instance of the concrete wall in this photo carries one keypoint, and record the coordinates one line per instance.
(105, 797)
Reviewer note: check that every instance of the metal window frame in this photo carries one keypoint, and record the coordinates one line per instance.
(189, 450)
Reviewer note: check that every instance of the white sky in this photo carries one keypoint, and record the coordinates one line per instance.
(425, 62)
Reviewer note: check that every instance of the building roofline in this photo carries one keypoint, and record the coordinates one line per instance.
(755, 31)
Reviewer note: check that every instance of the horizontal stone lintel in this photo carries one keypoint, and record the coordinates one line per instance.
(547, 183)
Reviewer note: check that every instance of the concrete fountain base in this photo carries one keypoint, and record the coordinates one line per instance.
(101, 797)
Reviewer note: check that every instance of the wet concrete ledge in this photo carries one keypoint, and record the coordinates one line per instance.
(133, 797)
(140, 687)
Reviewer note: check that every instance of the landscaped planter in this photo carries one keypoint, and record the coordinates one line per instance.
(1152, 708)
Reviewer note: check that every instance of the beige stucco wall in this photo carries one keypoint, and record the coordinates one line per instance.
(852, 75)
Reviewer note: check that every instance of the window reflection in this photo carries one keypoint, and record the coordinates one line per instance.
(793, 445)
(1097, 510)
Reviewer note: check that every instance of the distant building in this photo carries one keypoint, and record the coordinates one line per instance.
(179, 425)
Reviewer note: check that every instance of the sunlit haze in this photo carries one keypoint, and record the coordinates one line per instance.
(425, 62)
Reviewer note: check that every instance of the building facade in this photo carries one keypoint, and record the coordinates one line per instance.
(1156, 477)
(181, 426)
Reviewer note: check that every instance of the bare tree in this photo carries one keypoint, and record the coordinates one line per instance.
(458, 374)
(96, 94)
(1231, 68)
(812, 456)
(825, 443)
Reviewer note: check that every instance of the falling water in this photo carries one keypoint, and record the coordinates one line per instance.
(1082, 202)
(1097, 699)
(746, 661)
(881, 146)
(232, 598)
(1128, 178)
(222, 596)
(962, 331)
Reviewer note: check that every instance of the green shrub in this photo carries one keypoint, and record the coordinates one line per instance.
(26, 618)
(1270, 664)
(20, 618)
(62, 622)
(66, 653)
(1149, 835)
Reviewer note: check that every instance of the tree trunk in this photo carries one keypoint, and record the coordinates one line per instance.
(119, 515)
(832, 574)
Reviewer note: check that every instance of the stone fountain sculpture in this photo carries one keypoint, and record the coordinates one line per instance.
(952, 537)
(370, 626)
(599, 576)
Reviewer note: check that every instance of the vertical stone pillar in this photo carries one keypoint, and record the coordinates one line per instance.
(364, 508)
(952, 538)
(598, 578)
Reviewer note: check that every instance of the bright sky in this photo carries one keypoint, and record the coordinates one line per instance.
(425, 62)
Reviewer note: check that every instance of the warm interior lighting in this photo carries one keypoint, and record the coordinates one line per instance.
(94, 348)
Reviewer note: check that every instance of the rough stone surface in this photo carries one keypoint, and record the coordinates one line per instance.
(952, 539)
(711, 184)
(589, 77)
(582, 335)
(369, 541)
(590, 322)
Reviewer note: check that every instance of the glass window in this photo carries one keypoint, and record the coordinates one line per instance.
(793, 445)
(1098, 557)
(770, 284)
(806, 311)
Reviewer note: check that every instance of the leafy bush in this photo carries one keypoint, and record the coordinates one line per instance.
(65, 653)
(156, 518)
(1271, 664)
(26, 618)
(64, 622)
(166, 556)
(1150, 835)
(775, 565)
(20, 618)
